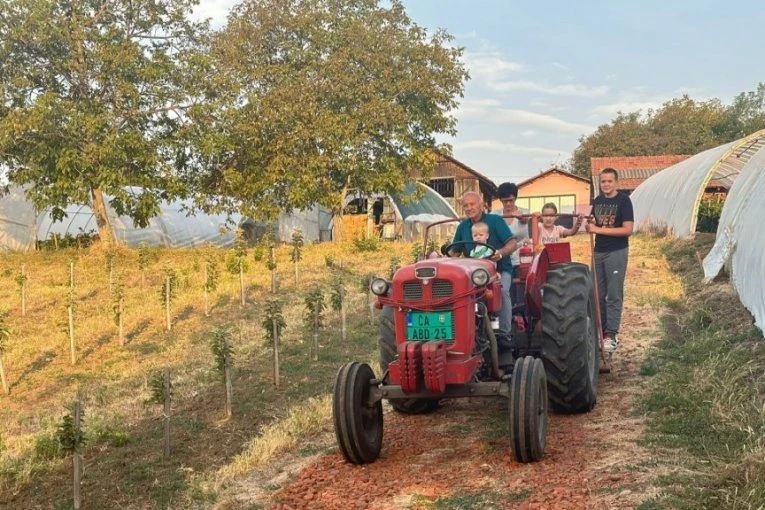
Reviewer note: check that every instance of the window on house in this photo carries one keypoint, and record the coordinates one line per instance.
(566, 204)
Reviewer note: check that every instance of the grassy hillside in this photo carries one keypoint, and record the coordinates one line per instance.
(124, 466)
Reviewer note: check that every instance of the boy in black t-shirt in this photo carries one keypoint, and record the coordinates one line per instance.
(614, 221)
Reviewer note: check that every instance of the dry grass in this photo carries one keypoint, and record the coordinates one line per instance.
(112, 380)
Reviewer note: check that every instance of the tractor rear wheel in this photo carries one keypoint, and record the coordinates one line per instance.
(358, 426)
(388, 353)
(570, 338)
(528, 409)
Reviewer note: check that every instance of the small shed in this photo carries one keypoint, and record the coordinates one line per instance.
(451, 179)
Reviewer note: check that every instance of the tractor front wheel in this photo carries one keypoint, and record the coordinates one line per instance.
(358, 425)
(388, 353)
(570, 342)
(528, 409)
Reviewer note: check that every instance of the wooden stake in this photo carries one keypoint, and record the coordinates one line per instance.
(23, 290)
(121, 311)
(207, 299)
(167, 409)
(316, 332)
(6, 389)
(72, 345)
(77, 458)
(296, 272)
(273, 274)
(167, 303)
(342, 311)
(241, 284)
(227, 376)
(276, 352)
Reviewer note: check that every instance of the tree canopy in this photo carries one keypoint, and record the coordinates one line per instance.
(681, 126)
(92, 100)
(318, 98)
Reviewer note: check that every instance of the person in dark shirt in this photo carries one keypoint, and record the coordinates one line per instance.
(377, 210)
(613, 224)
(500, 239)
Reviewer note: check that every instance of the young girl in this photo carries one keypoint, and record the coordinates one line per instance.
(549, 232)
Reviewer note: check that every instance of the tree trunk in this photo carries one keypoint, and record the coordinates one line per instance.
(105, 232)
(6, 389)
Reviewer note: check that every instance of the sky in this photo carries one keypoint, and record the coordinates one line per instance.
(543, 74)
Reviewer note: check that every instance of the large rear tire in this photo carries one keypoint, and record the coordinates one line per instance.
(528, 409)
(388, 353)
(570, 343)
(358, 426)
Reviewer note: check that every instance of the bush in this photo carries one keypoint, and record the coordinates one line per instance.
(709, 214)
(368, 244)
(47, 448)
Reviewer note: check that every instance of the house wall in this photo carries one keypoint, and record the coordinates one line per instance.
(555, 184)
(623, 164)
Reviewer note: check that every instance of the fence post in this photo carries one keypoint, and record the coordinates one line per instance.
(72, 345)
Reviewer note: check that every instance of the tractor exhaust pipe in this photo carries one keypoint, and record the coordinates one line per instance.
(495, 370)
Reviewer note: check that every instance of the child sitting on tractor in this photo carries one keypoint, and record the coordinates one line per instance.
(549, 232)
(480, 232)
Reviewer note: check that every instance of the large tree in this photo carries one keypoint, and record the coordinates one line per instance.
(93, 95)
(680, 126)
(315, 99)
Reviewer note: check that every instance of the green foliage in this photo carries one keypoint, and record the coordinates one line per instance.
(116, 439)
(109, 256)
(272, 314)
(329, 260)
(297, 245)
(395, 264)
(157, 387)
(169, 272)
(5, 331)
(21, 279)
(119, 294)
(338, 294)
(314, 304)
(310, 121)
(417, 253)
(211, 264)
(94, 100)
(237, 256)
(220, 344)
(679, 126)
(710, 210)
(47, 447)
(69, 439)
(364, 281)
(146, 256)
(83, 239)
(366, 244)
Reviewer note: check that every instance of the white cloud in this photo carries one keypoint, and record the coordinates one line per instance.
(547, 88)
(215, 10)
(505, 116)
(637, 99)
(489, 66)
(612, 77)
(467, 35)
(497, 146)
(528, 133)
(561, 66)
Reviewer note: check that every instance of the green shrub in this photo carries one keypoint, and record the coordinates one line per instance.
(47, 447)
(368, 244)
(709, 214)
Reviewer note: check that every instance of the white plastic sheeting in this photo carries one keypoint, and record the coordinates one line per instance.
(741, 238)
(17, 221)
(670, 198)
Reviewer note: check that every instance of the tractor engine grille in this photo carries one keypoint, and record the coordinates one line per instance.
(413, 291)
(440, 289)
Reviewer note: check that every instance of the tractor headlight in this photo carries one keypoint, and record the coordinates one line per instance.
(480, 277)
(379, 287)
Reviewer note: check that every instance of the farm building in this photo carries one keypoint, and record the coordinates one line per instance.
(671, 199)
(452, 178)
(633, 170)
(570, 193)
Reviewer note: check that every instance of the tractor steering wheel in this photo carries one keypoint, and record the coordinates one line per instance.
(446, 248)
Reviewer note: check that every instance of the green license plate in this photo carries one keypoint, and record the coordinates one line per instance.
(429, 327)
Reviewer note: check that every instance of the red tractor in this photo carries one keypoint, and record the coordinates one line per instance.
(439, 339)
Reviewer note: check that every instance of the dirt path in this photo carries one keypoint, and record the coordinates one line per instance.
(460, 455)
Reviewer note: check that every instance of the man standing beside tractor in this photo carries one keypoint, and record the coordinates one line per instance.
(500, 239)
(612, 227)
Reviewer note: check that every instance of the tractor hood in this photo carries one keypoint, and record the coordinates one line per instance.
(438, 278)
